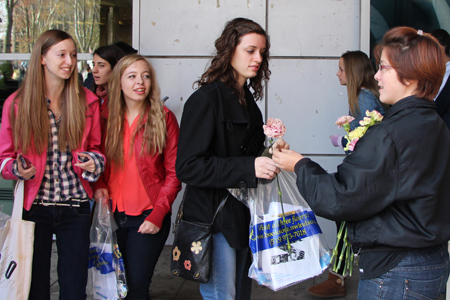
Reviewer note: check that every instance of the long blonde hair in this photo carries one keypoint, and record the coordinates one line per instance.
(154, 139)
(31, 126)
(359, 73)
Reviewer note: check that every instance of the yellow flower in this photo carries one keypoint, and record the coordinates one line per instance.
(366, 121)
(374, 115)
(176, 253)
(357, 132)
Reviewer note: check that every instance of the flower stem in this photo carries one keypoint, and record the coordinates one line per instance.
(346, 250)
(284, 220)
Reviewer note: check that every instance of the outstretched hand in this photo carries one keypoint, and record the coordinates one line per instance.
(286, 159)
(280, 144)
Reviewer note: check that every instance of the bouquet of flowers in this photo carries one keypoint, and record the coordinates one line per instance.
(352, 137)
(286, 241)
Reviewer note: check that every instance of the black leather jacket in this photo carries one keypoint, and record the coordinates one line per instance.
(394, 189)
(443, 103)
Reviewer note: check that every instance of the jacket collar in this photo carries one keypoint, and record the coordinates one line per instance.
(232, 110)
(408, 103)
(90, 96)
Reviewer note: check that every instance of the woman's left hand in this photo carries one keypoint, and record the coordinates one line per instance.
(265, 168)
(89, 165)
(148, 228)
(286, 159)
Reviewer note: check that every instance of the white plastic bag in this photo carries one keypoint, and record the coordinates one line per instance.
(106, 268)
(285, 250)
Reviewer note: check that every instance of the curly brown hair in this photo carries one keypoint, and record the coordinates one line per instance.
(221, 69)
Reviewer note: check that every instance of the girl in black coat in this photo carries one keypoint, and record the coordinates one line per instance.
(221, 136)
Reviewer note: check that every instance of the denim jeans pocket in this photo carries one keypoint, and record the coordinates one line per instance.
(83, 210)
(27, 214)
(424, 289)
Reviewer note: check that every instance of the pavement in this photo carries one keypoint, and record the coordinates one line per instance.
(166, 286)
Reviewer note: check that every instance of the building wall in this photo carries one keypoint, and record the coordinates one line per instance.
(307, 38)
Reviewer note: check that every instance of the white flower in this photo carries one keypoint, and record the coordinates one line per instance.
(196, 247)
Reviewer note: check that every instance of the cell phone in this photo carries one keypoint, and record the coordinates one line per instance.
(82, 159)
(25, 162)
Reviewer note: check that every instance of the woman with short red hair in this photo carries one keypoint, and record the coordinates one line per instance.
(393, 189)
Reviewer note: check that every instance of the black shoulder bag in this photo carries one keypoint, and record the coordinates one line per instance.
(192, 247)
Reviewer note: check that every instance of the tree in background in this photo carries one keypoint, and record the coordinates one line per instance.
(87, 31)
(80, 18)
(9, 26)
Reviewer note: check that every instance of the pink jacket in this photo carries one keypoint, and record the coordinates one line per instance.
(157, 172)
(91, 142)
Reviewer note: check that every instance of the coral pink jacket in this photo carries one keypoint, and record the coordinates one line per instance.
(91, 142)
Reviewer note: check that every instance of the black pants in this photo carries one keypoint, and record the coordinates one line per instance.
(140, 251)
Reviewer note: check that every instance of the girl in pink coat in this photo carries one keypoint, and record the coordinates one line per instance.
(53, 123)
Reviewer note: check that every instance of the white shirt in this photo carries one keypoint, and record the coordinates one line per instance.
(444, 80)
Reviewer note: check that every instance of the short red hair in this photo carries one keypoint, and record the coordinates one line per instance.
(415, 56)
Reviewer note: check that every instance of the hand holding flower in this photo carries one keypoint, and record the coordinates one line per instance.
(280, 144)
(286, 159)
(265, 168)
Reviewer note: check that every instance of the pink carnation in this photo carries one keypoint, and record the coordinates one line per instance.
(274, 128)
(352, 144)
(344, 120)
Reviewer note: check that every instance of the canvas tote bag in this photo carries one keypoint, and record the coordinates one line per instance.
(16, 250)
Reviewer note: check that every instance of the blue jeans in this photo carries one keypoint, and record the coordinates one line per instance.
(422, 274)
(140, 251)
(71, 227)
(228, 278)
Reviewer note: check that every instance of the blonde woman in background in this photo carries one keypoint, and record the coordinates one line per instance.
(140, 145)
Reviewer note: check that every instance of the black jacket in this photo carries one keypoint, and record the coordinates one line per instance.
(219, 141)
(443, 103)
(394, 189)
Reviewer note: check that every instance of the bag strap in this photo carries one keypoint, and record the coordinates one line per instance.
(221, 205)
(18, 194)
(180, 211)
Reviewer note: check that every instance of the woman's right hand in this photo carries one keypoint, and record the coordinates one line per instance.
(25, 173)
(265, 168)
(101, 194)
